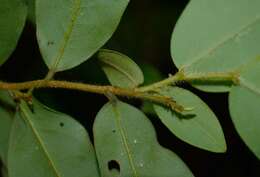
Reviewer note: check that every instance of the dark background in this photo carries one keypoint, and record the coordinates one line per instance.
(144, 35)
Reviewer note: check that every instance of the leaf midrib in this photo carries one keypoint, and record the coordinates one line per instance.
(249, 86)
(67, 34)
(124, 139)
(121, 71)
(221, 43)
(26, 117)
(208, 133)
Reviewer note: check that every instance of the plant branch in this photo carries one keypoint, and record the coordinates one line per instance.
(145, 93)
(48, 76)
(232, 77)
(104, 90)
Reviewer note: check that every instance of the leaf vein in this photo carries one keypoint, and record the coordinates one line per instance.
(125, 141)
(120, 70)
(249, 86)
(221, 43)
(207, 133)
(26, 117)
(67, 34)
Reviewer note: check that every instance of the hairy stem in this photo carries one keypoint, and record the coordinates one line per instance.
(131, 93)
(145, 93)
(231, 77)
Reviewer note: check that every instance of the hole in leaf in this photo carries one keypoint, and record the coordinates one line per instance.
(114, 131)
(113, 165)
(61, 124)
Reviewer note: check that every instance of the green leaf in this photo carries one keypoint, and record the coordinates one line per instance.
(216, 36)
(71, 31)
(126, 145)
(244, 101)
(120, 69)
(12, 20)
(45, 143)
(7, 106)
(199, 127)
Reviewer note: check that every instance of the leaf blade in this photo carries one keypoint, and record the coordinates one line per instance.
(11, 26)
(77, 29)
(244, 100)
(120, 69)
(137, 151)
(200, 127)
(230, 43)
(44, 140)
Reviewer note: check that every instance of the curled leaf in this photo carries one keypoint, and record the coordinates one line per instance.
(120, 69)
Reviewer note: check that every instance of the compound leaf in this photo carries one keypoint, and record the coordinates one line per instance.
(71, 31)
(126, 145)
(199, 127)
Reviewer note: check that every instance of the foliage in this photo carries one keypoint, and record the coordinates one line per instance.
(215, 46)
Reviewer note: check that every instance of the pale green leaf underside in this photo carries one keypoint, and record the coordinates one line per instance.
(12, 20)
(120, 70)
(6, 119)
(199, 127)
(216, 36)
(124, 134)
(244, 101)
(45, 143)
(70, 31)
